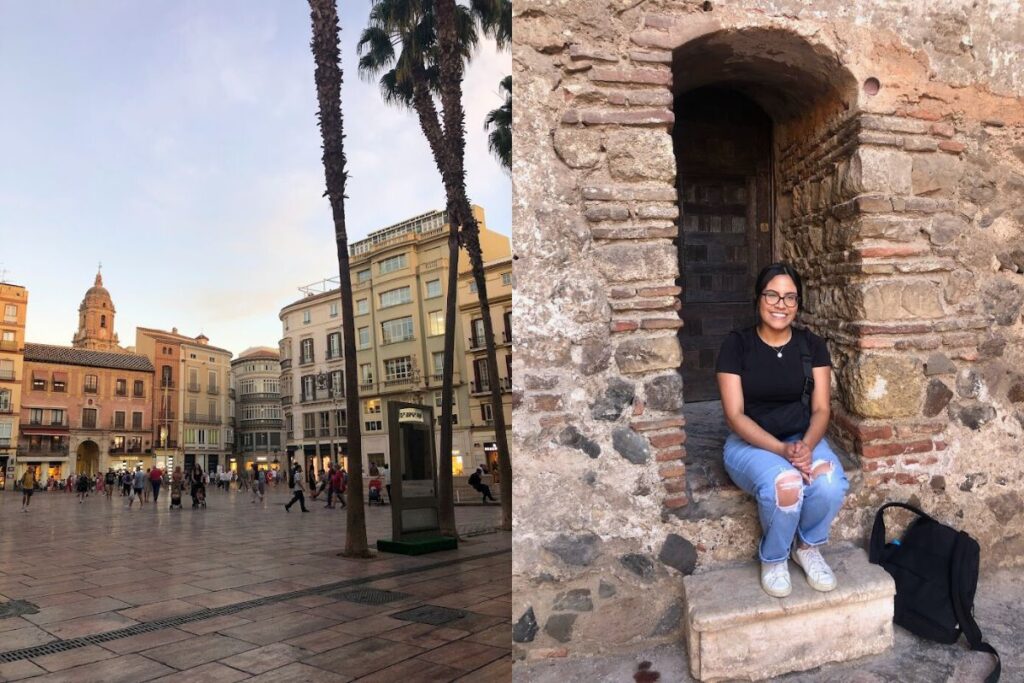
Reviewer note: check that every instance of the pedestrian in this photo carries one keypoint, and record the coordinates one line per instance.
(155, 479)
(99, 483)
(325, 480)
(475, 480)
(198, 487)
(145, 486)
(297, 489)
(109, 481)
(225, 480)
(138, 486)
(126, 483)
(177, 485)
(386, 472)
(339, 484)
(28, 487)
(82, 487)
(69, 485)
(259, 486)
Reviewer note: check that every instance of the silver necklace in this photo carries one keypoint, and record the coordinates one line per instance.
(776, 349)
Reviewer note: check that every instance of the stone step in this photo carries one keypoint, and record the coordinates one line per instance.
(734, 630)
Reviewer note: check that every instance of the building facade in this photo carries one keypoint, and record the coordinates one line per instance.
(194, 425)
(484, 447)
(13, 313)
(399, 282)
(259, 431)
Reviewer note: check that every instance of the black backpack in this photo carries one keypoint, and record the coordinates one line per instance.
(936, 572)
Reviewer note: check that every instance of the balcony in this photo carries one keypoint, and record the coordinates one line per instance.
(286, 363)
(388, 342)
(506, 337)
(170, 443)
(309, 433)
(261, 422)
(480, 387)
(253, 398)
(476, 343)
(42, 452)
(286, 400)
(7, 376)
(231, 394)
(389, 383)
(213, 390)
(167, 384)
(91, 390)
(121, 393)
(193, 387)
(334, 356)
(306, 360)
(166, 415)
(11, 346)
(202, 418)
(325, 431)
(135, 394)
(340, 431)
(505, 383)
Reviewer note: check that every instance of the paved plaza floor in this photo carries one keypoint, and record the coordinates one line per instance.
(241, 591)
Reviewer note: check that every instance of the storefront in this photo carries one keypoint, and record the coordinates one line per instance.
(491, 458)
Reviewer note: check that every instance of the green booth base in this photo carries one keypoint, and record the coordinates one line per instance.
(419, 546)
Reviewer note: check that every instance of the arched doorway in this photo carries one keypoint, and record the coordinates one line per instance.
(87, 458)
(723, 155)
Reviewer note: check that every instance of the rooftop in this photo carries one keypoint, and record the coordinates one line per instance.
(431, 221)
(174, 335)
(65, 355)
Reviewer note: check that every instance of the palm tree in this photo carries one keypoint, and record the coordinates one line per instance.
(499, 141)
(328, 77)
(400, 46)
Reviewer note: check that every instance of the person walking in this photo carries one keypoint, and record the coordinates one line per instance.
(156, 477)
(109, 482)
(198, 487)
(476, 481)
(28, 487)
(138, 485)
(82, 487)
(386, 473)
(297, 489)
(339, 484)
(126, 483)
(259, 483)
(177, 486)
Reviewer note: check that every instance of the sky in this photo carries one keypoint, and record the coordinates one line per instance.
(176, 142)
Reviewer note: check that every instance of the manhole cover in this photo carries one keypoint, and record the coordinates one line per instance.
(369, 596)
(430, 614)
(15, 608)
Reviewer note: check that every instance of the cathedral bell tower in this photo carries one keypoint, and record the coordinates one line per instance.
(96, 320)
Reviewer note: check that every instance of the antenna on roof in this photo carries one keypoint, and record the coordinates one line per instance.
(3, 273)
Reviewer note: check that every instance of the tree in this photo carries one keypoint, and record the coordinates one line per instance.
(328, 78)
(499, 141)
(400, 45)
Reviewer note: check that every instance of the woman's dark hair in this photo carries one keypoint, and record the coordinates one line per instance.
(776, 269)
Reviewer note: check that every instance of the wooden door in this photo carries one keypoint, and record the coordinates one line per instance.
(723, 152)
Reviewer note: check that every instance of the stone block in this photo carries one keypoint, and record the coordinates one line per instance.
(935, 174)
(881, 170)
(637, 155)
(884, 386)
(743, 633)
(632, 262)
(578, 147)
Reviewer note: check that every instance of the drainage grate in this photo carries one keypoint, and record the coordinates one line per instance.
(429, 614)
(15, 608)
(337, 589)
(369, 596)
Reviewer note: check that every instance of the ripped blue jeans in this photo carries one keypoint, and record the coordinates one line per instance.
(762, 474)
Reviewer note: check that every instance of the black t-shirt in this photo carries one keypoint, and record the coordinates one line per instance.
(769, 382)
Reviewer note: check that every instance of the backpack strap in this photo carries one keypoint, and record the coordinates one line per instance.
(968, 626)
(877, 542)
(805, 360)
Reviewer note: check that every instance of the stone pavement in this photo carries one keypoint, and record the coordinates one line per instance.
(240, 591)
(911, 659)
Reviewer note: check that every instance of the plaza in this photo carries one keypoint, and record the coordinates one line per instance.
(243, 591)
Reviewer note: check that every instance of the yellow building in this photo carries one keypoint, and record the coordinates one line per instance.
(399, 283)
(13, 311)
(498, 274)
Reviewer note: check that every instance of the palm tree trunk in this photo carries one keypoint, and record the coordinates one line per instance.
(445, 485)
(328, 77)
(450, 63)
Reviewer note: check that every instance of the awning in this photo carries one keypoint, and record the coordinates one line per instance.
(41, 457)
(44, 431)
(60, 377)
(39, 374)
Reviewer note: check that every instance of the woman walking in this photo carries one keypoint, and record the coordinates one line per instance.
(774, 380)
(297, 489)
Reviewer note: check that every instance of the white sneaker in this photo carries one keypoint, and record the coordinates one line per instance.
(775, 579)
(819, 574)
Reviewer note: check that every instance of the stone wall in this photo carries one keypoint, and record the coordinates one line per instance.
(901, 204)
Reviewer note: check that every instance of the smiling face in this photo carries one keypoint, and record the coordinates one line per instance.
(778, 316)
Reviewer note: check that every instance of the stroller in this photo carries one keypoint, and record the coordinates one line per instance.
(176, 494)
(375, 495)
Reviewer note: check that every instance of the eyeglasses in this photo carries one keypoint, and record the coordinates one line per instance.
(773, 298)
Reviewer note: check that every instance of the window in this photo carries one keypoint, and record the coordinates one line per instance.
(363, 276)
(390, 265)
(371, 406)
(478, 332)
(438, 359)
(193, 379)
(362, 306)
(334, 309)
(396, 297)
(397, 330)
(506, 279)
(6, 429)
(10, 313)
(119, 419)
(59, 385)
(398, 368)
(373, 426)
(485, 412)
(480, 370)
(138, 389)
(472, 286)
(117, 444)
(337, 382)
(5, 401)
(325, 423)
(193, 408)
(7, 336)
(364, 337)
(136, 420)
(121, 387)
(433, 288)
(56, 417)
(211, 383)
(103, 321)
(38, 384)
(6, 369)
(435, 323)
(211, 407)
(35, 416)
(89, 418)
(306, 351)
(366, 373)
(165, 376)
(307, 317)
(308, 387)
(309, 425)
(334, 345)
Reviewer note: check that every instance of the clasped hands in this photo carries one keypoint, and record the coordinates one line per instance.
(798, 454)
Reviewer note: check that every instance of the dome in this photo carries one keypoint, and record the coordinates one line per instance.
(97, 295)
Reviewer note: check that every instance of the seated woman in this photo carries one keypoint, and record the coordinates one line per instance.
(774, 381)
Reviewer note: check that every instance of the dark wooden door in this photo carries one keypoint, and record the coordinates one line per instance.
(723, 151)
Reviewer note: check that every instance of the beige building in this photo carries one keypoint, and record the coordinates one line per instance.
(498, 274)
(192, 402)
(13, 311)
(399, 281)
(259, 431)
